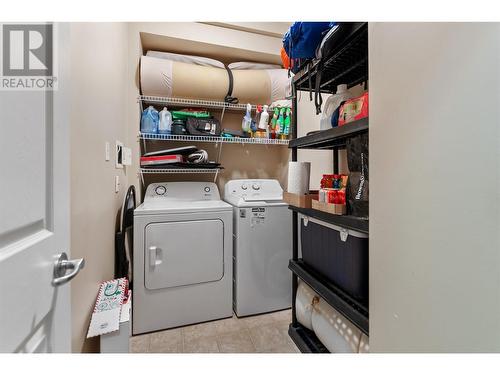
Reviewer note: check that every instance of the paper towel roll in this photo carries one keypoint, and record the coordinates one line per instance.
(304, 305)
(298, 177)
(335, 332)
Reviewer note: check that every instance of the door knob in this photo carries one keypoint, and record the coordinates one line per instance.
(63, 265)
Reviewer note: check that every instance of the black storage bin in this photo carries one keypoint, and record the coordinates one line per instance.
(339, 254)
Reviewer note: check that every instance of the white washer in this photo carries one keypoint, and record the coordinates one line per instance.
(182, 256)
(262, 246)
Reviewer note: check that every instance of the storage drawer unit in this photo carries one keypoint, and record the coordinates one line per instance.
(339, 254)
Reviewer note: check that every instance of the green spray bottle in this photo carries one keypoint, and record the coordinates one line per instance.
(274, 121)
(280, 123)
(286, 130)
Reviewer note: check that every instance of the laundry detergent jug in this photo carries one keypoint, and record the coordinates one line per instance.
(165, 124)
(149, 120)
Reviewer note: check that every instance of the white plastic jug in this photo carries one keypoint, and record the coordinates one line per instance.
(332, 103)
(165, 125)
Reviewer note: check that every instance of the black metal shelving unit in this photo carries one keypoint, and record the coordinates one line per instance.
(347, 64)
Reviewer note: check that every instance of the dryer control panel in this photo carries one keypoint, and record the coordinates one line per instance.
(186, 191)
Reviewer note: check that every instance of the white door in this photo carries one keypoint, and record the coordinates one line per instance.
(34, 213)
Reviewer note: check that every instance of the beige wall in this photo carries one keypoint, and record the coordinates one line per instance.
(240, 161)
(98, 114)
(434, 187)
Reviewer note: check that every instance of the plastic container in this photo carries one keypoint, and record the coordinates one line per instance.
(246, 122)
(150, 120)
(332, 103)
(165, 124)
(264, 119)
(339, 254)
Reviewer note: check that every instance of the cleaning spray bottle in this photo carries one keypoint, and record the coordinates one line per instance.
(246, 123)
(286, 128)
(280, 122)
(256, 119)
(274, 121)
(264, 119)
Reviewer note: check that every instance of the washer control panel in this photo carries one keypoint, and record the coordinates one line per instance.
(254, 190)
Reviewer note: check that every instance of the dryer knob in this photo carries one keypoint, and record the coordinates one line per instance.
(207, 189)
(256, 186)
(244, 186)
(160, 190)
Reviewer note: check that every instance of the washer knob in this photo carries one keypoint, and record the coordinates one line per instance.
(244, 186)
(256, 186)
(160, 190)
(207, 189)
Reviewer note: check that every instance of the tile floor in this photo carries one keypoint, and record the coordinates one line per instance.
(266, 333)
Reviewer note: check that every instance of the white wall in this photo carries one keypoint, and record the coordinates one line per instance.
(98, 114)
(435, 190)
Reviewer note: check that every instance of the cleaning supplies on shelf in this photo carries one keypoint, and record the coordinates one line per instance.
(246, 123)
(165, 124)
(256, 119)
(264, 119)
(332, 103)
(274, 121)
(150, 120)
(286, 123)
(280, 122)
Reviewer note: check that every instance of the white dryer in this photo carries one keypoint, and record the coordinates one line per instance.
(182, 256)
(262, 246)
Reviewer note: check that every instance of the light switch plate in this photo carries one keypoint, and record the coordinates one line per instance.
(126, 156)
(107, 148)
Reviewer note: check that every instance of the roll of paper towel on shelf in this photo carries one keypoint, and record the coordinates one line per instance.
(304, 304)
(336, 333)
(298, 177)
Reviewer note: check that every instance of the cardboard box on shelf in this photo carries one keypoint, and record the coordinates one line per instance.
(303, 201)
(331, 208)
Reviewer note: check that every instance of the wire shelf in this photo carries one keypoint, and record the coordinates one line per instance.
(195, 103)
(203, 138)
(179, 170)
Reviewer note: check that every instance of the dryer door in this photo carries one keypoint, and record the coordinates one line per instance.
(183, 253)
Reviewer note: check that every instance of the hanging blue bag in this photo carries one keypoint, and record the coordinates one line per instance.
(301, 40)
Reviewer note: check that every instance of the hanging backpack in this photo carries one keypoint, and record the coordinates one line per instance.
(301, 40)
